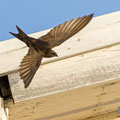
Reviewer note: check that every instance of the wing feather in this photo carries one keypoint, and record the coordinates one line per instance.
(62, 32)
(29, 65)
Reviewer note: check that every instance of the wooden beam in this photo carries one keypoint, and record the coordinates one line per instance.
(67, 74)
(100, 32)
(78, 104)
(83, 82)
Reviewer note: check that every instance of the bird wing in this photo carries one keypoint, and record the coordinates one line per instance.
(62, 32)
(29, 65)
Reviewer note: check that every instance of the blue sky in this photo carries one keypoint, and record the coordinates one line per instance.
(36, 15)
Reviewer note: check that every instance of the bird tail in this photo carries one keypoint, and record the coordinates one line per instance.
(21, 36)
(28, 40)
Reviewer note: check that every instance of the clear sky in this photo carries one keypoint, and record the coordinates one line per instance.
(36, 15)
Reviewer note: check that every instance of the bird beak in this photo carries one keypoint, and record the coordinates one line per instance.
(56, 55)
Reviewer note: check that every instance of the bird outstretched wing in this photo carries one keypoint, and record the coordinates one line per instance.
(62, 32)
(29, 65)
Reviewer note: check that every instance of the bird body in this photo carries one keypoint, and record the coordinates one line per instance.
(42, 47)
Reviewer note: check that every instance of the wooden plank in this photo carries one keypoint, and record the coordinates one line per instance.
(77, 104)
(109, 116)
(74, 72)
(70, 92)
(83, 82)
(100, 32)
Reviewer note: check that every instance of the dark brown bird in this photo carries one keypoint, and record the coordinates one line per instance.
(42, 47)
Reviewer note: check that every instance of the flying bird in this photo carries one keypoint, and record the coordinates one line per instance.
(42, 47)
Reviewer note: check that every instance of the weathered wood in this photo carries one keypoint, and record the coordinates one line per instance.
(109, 116)
(74, 72)
(92, 85)
(93, 90)
(100, 32)
(83, 82)
(76, 104)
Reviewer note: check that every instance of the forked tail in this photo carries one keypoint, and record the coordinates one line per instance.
(22, 36)
(29, 40)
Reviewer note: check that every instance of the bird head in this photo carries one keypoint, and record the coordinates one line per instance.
(53, 53)
(50, 53)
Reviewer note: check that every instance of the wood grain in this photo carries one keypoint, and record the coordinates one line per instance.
(100, 32)
(70, 92)
(74, 72)
(77, 104)
(83, 82)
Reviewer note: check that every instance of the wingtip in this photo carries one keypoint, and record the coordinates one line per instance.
(25, 85)
(91, 14)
